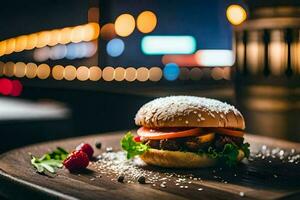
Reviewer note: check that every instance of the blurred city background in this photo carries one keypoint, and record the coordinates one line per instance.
(74, 67)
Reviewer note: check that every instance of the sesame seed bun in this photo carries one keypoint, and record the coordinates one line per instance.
(189, 111)
(178, 159)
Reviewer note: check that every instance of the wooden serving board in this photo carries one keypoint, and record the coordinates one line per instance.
(259, 179)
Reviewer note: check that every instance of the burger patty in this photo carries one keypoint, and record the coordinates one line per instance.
(193, 144)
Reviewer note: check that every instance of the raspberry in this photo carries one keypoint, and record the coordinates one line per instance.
(76, 161)
(86, 148)
(137, 139)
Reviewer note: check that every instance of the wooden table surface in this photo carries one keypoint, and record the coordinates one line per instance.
(259, 179)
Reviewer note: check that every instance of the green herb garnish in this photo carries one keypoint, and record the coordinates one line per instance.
(133, 148)
(50, 162)
(245, 149)
(229, 154)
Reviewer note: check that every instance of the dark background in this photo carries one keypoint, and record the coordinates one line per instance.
(100, 106)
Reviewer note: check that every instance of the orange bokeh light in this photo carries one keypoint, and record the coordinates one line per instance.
(95, 73)
(124, 25)
(43, 71)
(20, 69)
(31, 70)
(43, 39)
(77, 34)
(70, 73)
(2, 47)
(236, 14)
(55, 37)
(65, 35)
(146, 22)
(10, 45)
(21, 43)
(31, 41)
(58, 72)
(108, 31)
(83, 73)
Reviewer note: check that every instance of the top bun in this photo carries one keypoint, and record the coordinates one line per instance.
(188, 111)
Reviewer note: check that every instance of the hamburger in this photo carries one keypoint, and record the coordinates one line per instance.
(187, 132)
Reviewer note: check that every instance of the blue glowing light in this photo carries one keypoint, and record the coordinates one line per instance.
(159, 45)
(115, 47)
(72, 51)
(171, 71)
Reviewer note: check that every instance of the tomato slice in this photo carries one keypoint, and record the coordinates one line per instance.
(167, 133)
(226, 131)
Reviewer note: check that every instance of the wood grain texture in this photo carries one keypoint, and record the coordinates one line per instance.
(18, 180)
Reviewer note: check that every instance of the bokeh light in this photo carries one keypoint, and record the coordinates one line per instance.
(41, 54)
(1, 68)
(124, 25)
(171, 71)
(58, 72)
(66, 35)
(43, 71)
(215, 57)
(20, 69)
(31, 70)
(83, 73)
(17, 88)
(6, 86)
(217, 73)
(168, 44)
(142, 74)
(58, 52)
(227, 73)
(21, 43)
(108, 31)
(86, 32)
(119, 74)
(70, 73)
(155, 74)
(2, 47)
(108, 73)
(90, 31)
(186, 60)
(73, 51)
(115, 47)
(10, 45)
(93, 14)
(77, 34)
(31, 41)
(236, 14)
(95, 73)
(9, 69)
(130, 74)
(146, 22)
(43, 39)
(196, 74)
(184, 73)
(55, 37)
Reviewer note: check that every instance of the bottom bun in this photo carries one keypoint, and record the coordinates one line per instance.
(179, 159)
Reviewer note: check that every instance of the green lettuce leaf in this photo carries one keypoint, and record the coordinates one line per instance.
(229, 154)
(49, 162)
(245, 149)
(131, 147)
